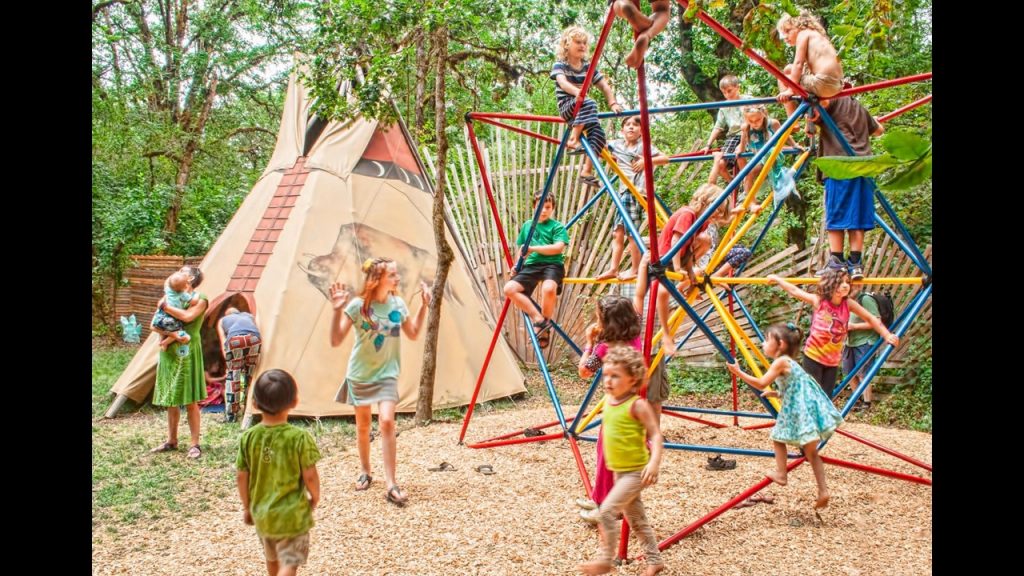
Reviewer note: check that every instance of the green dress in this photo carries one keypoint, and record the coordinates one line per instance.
(181, 380)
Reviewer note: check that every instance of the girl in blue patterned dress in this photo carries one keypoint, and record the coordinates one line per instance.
(379, 316)
(807, 415)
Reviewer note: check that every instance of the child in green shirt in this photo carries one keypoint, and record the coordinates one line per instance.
(277, 478)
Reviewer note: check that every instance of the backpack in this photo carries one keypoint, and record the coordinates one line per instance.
(885, 307)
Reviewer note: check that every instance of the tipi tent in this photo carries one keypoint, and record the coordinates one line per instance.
(334, 194)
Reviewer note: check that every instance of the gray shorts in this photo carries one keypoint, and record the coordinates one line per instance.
(364, 393)
(288, 551)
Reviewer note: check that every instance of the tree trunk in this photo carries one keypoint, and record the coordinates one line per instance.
(422, 65)
(425, 403)
(704, 86)
(187, 156)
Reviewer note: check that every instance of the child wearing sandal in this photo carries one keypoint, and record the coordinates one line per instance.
(379, 316)
(807, 415)
(277, 477)
(617, 324)
(544, 264)
(176, 294)
(629, 423)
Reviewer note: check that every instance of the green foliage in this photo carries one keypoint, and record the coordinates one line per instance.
(689, 379)
(907, 160)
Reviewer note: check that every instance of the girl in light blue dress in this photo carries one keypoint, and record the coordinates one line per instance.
(807, 415)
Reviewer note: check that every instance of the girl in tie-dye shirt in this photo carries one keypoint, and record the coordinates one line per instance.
(824, 347)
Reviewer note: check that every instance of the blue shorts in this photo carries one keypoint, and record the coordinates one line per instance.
(850, 204)
(852, 355)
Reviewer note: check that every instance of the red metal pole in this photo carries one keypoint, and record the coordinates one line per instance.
(759, 426)
(906, 108)
(889, 451)
(721, 509)
(490, 200)
(693, 419)
(483, 369)
(593, 61)
(543, 438)
(735, 41)
(884, 84)
(874, 470)
(582, 467)
(509, 116)
(521, 131)
(518, 432)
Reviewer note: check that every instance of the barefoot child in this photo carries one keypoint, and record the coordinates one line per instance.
(176, 294)
(277, 477)
(807, 415)
(629, 155)
(816, 67)
(617, 324)
(728, 121)
(629, 423)
(646, 27)
(569, 72)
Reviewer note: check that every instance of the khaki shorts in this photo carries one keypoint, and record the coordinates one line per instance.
(287, 551)
(657, 386)
(820, 84)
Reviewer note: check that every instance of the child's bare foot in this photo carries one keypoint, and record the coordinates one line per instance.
(779, 479)
(636, 55)
(595, 567)
(637, 19)
(822, 501)
(668, 344)
(654, 569)
(606, 275)
(627, 275)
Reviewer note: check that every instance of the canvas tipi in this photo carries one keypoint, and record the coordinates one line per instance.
(334, 194)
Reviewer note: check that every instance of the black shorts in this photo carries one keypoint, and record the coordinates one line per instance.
(825, 376)
(531, 274)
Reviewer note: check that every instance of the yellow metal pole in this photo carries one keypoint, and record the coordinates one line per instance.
(740, 337)
(662, 217)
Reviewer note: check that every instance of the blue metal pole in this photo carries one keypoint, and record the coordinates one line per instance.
(714, 411)
(591, 202)
(710, 449)
(690, 107)
(761, 154)
(743, 308)
(670, 286)
(871, 351)
(586, 401)
(626, 220)
(705, 157)
(544, 372)
(915, 308)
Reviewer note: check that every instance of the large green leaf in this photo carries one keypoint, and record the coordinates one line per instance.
(909, 176)
(906, 145)
(846, 167)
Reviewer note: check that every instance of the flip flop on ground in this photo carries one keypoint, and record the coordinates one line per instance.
(485, 469)
(442, 467)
